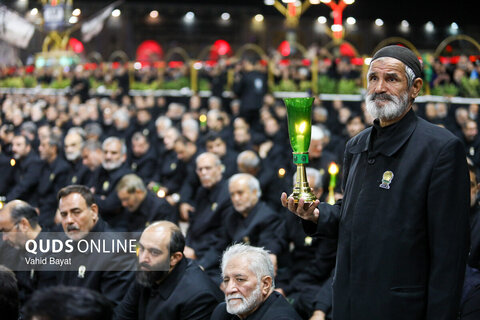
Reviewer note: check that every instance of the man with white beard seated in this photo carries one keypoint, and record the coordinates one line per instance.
(248, 284)
(105, 179)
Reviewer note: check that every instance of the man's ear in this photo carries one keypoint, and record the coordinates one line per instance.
(416, 87)
(94, 209)
(266, 285)
(23, 224)
(175, 258)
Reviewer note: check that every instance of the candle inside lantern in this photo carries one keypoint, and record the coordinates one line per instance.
(333, 171)
(300, 134)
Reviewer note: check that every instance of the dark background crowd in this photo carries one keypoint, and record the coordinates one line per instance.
(184, 150)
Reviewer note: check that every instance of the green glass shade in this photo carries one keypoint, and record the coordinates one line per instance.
(299, 113)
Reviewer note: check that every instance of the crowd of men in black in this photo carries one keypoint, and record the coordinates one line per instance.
(146, 159)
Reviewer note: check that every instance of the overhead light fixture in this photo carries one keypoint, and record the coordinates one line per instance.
(73, 20)
(116, 13)
(259, 18)
(429, 26)
(34, 11)
(351, 20)
(225, 16)
(76, 12)
(336, 27)
(379, 22)
(154, 14)
(322, 20)
(269, 2)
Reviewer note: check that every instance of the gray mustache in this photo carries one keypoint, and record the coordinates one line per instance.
(381, 96)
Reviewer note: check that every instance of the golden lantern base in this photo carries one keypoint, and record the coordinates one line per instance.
(302, 190)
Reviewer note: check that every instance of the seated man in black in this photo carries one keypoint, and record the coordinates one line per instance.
(26, 171)
(168, 285)
(107, 274)
(53, 177)
(252, 221)
(113, 168)
(143, 206)
(143, 159)
(212, 203)
(248, 284)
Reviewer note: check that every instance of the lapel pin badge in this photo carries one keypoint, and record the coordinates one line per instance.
(386, 179)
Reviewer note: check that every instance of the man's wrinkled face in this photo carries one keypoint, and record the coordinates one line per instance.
(208, 171)
(387, 90)
(243, 293)
(113, 157)
(243, 198)
(20, 147)
(73, 146)
(76, 217)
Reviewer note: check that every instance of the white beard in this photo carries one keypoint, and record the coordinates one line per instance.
(111, 165)
(72, 156)
(389, 111)
(247, 304)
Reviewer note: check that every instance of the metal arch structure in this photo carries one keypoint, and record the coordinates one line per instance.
(95, 56)
(450, 39)
(118, 54)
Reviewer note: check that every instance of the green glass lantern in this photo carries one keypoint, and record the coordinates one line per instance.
(299, 113)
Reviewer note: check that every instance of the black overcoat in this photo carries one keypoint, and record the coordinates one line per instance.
(402, 247)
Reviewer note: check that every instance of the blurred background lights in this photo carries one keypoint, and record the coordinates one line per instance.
(379, 22)
(225, 16)
(429, 26)
(259, 18)
(322, 20)
(76, 12)
(351, 20)
(269, 2)
(116, 13)
(34, 11)
(154, 14)
(337, 27)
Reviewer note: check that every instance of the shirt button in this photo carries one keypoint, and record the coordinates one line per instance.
(371, 161)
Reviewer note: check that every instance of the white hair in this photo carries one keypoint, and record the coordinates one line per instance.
(258, 260)
(252, 182)
(166, 121)
(317, 133)
(108, 140)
